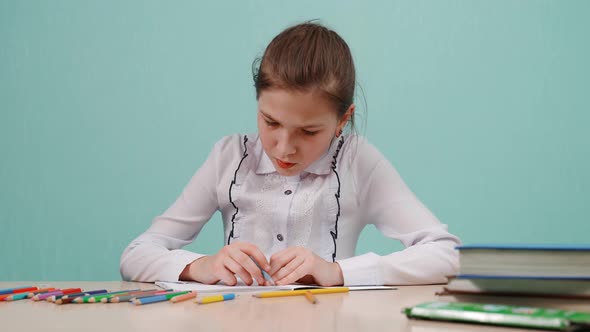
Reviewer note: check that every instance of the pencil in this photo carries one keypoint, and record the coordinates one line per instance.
(26, 295)
(135, 295)
(301, 292)
(65, 300)
(18, 291)
(97, 298)
(69, 298)
(309, 296)
(40, 291)
(216, 298)
(158, 298)
(265, 274)
(184, 297)
(87, 293)
(46, 296)
(12, 290)
(41, 297)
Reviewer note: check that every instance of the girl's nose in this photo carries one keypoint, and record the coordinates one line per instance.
(286, 146)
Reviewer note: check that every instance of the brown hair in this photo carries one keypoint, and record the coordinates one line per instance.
(308, 56)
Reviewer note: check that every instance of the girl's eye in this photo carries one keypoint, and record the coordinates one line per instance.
(271, 123)
(309, 133)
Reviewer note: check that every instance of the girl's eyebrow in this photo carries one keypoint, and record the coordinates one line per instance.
(270, 118)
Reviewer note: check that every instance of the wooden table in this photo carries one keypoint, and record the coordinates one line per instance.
(354, 311)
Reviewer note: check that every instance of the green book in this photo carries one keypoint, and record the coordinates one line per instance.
(504, 315)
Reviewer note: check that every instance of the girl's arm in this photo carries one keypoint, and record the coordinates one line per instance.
(429, 256)
(156, 254)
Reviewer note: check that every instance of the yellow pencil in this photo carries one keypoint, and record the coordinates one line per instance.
(302, 292)
(216, 298)
(309, 296)
(184, 297)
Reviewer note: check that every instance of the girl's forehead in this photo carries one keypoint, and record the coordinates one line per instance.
(295, 104)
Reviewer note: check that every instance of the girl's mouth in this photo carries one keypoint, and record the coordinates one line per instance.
(283, 164)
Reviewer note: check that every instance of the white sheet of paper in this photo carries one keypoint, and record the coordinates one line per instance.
(241, 287)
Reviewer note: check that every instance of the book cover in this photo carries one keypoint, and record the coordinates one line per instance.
(503, 315)
(518, 286)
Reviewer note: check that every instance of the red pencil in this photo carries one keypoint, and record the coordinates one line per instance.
(17, 291)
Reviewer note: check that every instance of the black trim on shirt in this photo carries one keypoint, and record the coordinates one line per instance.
(337, 195)
(233, 218)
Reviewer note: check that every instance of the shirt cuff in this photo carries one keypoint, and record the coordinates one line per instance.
(361, 270)
(178, 261)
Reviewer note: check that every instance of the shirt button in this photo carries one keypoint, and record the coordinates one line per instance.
(280, 237)
(288, 192)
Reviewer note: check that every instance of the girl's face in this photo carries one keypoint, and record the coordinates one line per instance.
(296, 128)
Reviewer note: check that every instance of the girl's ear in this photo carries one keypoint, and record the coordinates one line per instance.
(344, 120)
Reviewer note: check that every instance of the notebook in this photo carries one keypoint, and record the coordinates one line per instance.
(241, 287)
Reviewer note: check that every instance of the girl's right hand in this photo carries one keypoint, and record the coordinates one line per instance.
(234, 259)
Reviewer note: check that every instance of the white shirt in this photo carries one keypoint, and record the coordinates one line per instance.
(324, 209)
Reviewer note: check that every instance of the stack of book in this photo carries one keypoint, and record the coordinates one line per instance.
(523, 270)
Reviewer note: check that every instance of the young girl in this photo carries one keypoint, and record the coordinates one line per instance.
(295, 196)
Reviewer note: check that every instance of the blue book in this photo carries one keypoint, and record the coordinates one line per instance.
(525, 260)
(536, 247)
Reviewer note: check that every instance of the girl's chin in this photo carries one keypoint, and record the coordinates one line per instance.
(288, 171)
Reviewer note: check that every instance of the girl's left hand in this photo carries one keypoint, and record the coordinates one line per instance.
(300, 264)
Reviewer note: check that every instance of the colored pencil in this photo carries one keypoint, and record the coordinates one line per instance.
(301, 292)
(184, 297)
(158, 298)
(41, 291)
(97, 298)
(26, 295)
(309, 296)
(74, 295)
(18, 291)
(216, 298)
(41, 297)
(11, 290)
(65, 301)
(134, 295)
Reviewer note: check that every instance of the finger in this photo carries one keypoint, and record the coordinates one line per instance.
(248, 266)
(236, 268)
(280, 259)
(298, 271)
(256, 254)
(225, 276)
(288, 268)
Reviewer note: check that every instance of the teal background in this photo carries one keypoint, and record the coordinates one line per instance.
(107, 108)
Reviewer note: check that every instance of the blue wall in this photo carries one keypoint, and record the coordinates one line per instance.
(107, 108)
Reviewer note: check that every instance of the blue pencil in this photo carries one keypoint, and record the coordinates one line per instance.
(11, 290)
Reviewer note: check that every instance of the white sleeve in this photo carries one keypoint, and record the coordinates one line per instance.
(156, 254)
(430, 255)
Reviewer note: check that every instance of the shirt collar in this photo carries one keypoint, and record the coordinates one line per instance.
(321, 166)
